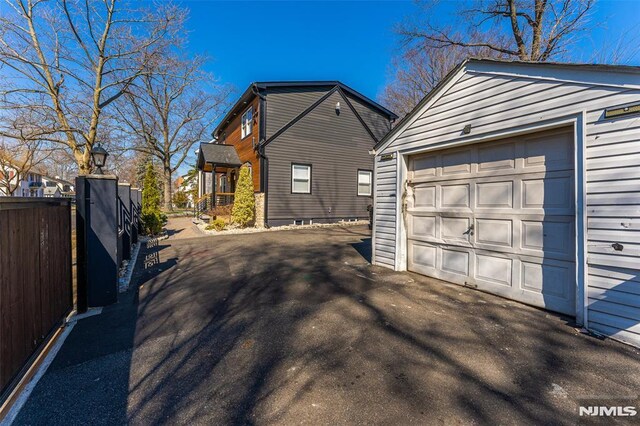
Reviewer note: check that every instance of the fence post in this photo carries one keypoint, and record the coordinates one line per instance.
(124, 199)
(133, 208)
(97, 240)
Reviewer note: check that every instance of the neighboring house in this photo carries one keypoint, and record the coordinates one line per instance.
(56, 187)
(307, 145)
(51, 191)
(37, 184)
(521, 179)
(30, 186)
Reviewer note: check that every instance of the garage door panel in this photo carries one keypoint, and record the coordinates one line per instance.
(497, 157)
(499, 216)
(494, 195)
(423, 255)
(547, 278)
(456, 163)
(425, 196)
(494, 232)
(548, 238)
(548, 194)
(455, 261)
(455, 196)
(422, 226)
(494, 269)
(455, 229)
(424, 166)
(553, 152)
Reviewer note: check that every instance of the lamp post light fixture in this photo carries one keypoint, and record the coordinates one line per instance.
(99, 156)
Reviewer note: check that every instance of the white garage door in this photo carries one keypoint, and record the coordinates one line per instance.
(497, 216)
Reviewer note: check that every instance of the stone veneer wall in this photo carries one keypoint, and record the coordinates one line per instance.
(259, 222)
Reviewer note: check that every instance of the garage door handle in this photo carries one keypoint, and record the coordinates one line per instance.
(469, 231)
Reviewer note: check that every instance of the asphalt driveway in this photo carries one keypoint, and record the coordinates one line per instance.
(296, 327)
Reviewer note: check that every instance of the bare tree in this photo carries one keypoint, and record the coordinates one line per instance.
(60, 162)
(70, 59)
(170, 108)
(530, 30)
(416, 72)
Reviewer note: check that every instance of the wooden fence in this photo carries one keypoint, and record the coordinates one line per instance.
(35, 279)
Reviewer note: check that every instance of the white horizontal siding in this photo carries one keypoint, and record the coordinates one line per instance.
(513, 97)
(384, 212)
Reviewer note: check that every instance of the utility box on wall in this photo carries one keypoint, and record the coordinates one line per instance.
(97, 236)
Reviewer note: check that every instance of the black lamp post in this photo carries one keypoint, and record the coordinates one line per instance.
(99, 156)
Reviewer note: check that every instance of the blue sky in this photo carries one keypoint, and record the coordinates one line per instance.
(334, 40)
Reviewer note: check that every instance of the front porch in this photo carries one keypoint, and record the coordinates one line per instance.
(218, 169)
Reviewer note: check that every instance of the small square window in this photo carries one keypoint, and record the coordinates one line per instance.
(301, 179)
(365, 178)
(247, 123)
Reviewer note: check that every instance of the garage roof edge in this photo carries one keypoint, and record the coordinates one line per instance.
(405, 121)
(469, 65)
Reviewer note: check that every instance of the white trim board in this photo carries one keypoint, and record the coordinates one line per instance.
(42, 369)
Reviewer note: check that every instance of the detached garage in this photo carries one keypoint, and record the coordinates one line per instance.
(523, 180)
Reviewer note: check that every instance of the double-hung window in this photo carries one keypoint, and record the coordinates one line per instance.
(301, 179)
(365, 179)
(247, 123)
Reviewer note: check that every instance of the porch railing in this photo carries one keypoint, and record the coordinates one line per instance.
(224, 198)
(206, 202)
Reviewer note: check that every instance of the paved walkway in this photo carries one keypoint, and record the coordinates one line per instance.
(296, 327)
(180, 228)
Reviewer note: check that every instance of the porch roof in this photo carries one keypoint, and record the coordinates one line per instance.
(218, 154)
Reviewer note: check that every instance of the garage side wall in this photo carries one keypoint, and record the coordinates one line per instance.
(385, 212)
(496, 99)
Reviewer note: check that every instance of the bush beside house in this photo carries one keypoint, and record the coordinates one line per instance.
(152, 218)
(243, 212)
(180, 199)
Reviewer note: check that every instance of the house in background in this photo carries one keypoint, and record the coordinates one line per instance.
(28, 186)
(31, 186)
(521, 179)
(35, 184)
(307, 145)
(57, 187)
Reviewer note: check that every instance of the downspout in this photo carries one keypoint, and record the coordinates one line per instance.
(260, 149)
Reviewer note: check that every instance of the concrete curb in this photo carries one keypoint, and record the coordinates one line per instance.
(22, 398)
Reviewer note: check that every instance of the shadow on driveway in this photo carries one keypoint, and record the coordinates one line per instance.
(298, 327)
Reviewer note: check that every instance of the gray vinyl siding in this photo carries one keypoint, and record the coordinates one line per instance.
(377, 123)
(286, 103)
(493, 98)
(336, 146)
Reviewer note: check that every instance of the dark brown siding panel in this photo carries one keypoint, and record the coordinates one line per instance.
(378, 124)
(286, 103)
(231, 134)
(336, 146)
